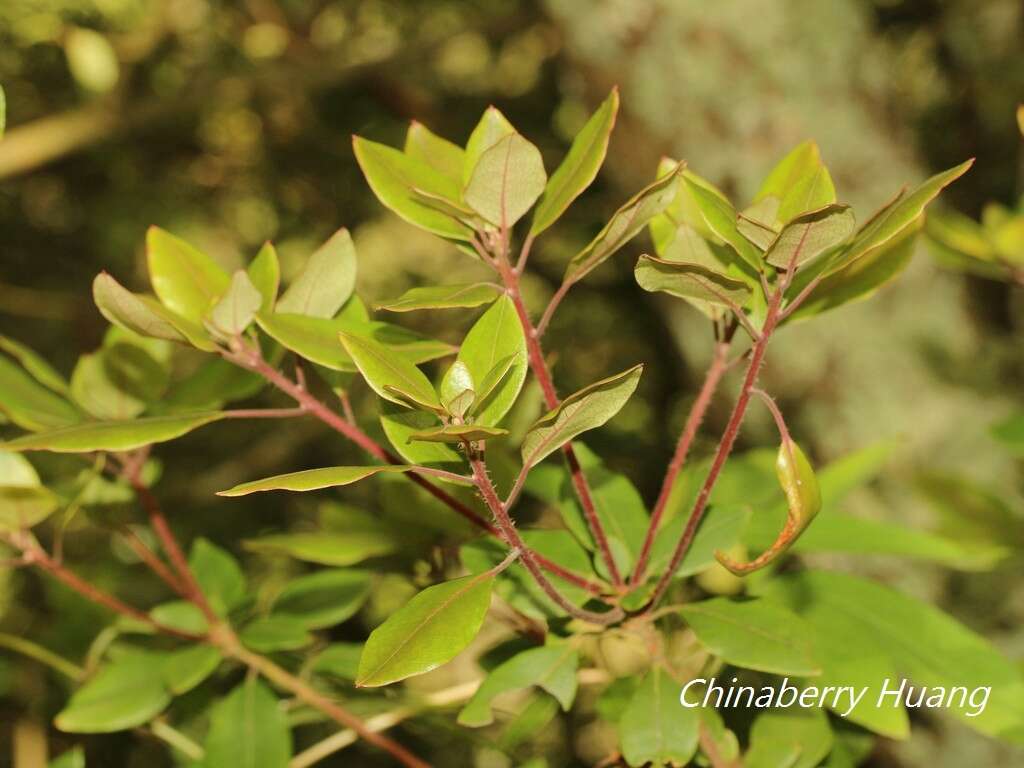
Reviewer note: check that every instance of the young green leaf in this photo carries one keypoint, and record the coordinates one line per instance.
(326, 281)
(428, 631)
(337, 549)
(507, 180)
(496, 336)
(271, 634)
(624, 224)
(811, 234)
(456, 380)
(586, 409)
(187, 281)
(35, 365)
(655, 728)
(494, 377)
(400, 423)
(551, 667)
(30, 405)
(757, 223)
(183, 670)
(218, 574)
(580, 166)
(443, 297)
(893, 220)
(313, 338)
(810, 193)
(17, 472)
(794, 737)
(311, 479)
(235, 310)
(753, 634)
(802, 161)
(182, 615)
(393, 176)
(457, 433)
(387, 373)
(265, 273)
(249, 729)
(144, 315)
(111, 435)
(491, 129)
(324, 598)
(442, 155)
(125, 693)
(690, 281)
(720, 217)
(22, 507)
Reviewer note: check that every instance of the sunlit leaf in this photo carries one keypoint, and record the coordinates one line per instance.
(235, 310)
(383, 369)
(491, 129)
(326, 281)
(811, 234)
(187, 281)
(265, 273)
(311, 479)
(457, 433)
(495, 337)
(442, 155)
(111, 435)
(443, 297)
(144, 315)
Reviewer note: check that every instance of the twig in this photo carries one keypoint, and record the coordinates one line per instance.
(43, 655)
(549, 310)
(718, 367)
(155, 564)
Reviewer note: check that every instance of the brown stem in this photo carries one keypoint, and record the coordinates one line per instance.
(724, 447)
(549, 310)
(543, 375)
(719, 365)
(514, 540)
(314, 698)
(252, 360)
(155, 564)
(36, 555)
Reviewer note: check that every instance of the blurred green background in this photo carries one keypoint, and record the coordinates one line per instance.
(229, 123)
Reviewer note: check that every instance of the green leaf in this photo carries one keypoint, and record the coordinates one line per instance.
(580, 166)
(497, 335)
(655, 728)
(491, 129)
(401, 423)
(182, 615)
(457, 433)
(123, 378)
(913, 638)
(690, 281)
(439, 153)
(757, 223)
(507, 180)
(811, 234)
(235, 310)
(71, 758)
(185, 669)
(265, 273)
(22, 507)
(111, 435)
(340, 660)
(802, 161)
(792, 737)
(311, 479)
(383, 370)
(720, 217)
(29, 404)
(218, 574)
(624, 224)
(144, 315)
(859, 279)
(125, 693)
(810, 193)
(326, 281)
(456, 382)
(248, 729)
(428, 631)
(1010, 432)
(17, 472)
(754, 634)
(899, 215)
(719, 530)
(35, 365)
(323, 599)
(393, 177)
(270, 634)
(338, 549)
(586, 409)
(187, 281)
(551, 667)
(444, 297)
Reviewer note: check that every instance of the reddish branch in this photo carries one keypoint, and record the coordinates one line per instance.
(543, 375)
(719, 365)
(252, 360)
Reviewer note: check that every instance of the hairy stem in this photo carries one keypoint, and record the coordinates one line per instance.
(543, 375)
(512, 537)
(719, 365)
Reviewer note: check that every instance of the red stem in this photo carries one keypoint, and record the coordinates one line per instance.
(311, 404)
(719, 365)
(543, 375)
(724, 447)
(511, 535)
(155, 564)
